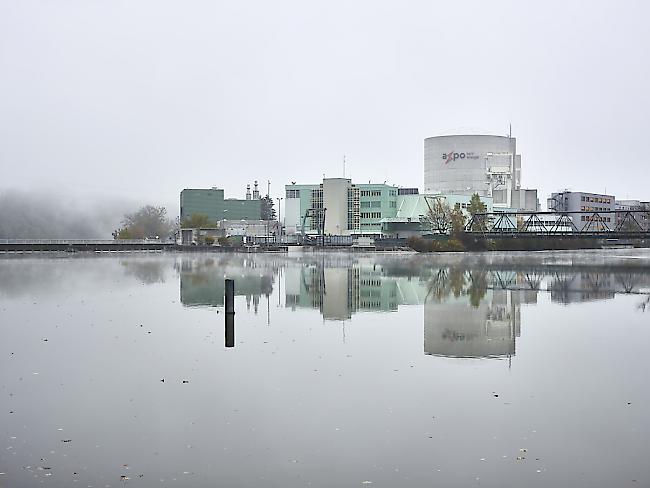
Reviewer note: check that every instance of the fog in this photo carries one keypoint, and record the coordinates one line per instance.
(51, 215)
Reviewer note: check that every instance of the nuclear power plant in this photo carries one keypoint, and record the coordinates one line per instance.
(485, 164)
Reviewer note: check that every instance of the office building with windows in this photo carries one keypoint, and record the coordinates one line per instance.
(349, 208)
(575, 202)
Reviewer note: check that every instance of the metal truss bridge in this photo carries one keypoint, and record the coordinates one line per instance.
(607, 224)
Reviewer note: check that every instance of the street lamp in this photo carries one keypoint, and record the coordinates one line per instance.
(279, 199)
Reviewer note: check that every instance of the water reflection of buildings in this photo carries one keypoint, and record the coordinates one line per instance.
(457, 328)
(477, 313)
(471, 313)
(340, 292)
(582, 287)
(202, 281)
(468, 312)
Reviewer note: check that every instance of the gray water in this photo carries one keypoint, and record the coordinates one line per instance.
(346, 370)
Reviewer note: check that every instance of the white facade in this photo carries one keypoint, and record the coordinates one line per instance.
(335, 200)
(292, 217)
(579, 205)
(468, 164)
(249, 228)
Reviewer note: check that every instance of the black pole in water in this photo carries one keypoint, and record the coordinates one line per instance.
(230, 330)
(230, 313)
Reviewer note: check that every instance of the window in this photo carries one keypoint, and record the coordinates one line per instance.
(375, 204)
(393, 204)
(365, 204)
(293, 193)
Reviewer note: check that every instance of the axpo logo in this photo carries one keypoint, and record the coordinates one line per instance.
(453, 156)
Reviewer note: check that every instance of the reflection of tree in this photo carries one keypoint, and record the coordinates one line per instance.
(458, 281)
(645, 304)
(437, 286)
(446, 281)
(477, 287)
(629, 281)
(148, 272)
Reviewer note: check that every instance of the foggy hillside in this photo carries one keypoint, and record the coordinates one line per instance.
(42, 215)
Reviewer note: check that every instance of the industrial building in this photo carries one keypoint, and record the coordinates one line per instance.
(485, 164)
(337, 206)
(575, 202)
(211, 202)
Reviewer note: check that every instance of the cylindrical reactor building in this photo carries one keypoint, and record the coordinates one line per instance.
(468, 164)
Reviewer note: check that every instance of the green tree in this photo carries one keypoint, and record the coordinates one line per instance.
(148, 221)
(476, 206)
(457, 221)
(196, 221)
(268, 212)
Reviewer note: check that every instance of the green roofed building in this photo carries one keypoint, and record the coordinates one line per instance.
(211, 202)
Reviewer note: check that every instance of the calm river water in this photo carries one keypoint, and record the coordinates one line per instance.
(347, 370)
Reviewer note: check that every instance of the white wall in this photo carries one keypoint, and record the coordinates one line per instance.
(335, 200)
(292, 218)
(459, 163)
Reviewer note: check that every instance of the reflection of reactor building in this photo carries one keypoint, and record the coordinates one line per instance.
(454, 328)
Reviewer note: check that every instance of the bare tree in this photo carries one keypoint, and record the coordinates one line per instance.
(438, 218)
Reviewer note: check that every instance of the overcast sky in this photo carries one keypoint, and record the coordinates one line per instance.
(140, 99)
